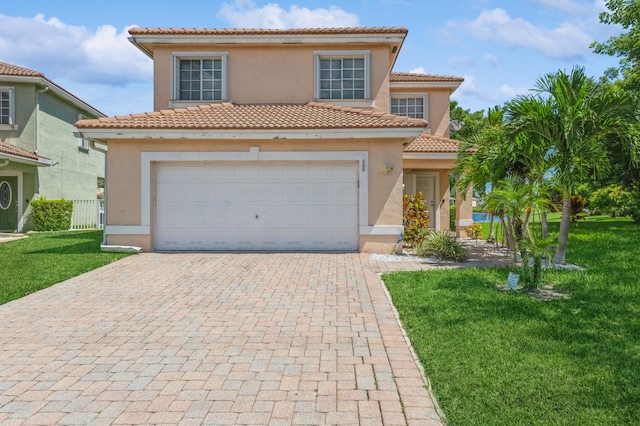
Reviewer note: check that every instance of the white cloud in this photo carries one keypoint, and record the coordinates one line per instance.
(245, 13)
(77, 53)
(471, 95)
(494, 60)
(511, 92)
(419, 70)
(573, 7)
(563, 42)
(458, 61)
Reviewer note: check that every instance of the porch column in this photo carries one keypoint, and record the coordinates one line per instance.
(464, 211)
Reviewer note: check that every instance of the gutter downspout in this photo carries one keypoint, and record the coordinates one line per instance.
(103, 245)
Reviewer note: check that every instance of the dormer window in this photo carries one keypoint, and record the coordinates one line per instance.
(200, 77)
(7, 109)
(342, 75)
(410, 105)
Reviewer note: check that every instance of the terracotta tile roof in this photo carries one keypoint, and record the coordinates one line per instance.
(406, 76)
(228, 116)
(429, 143)
(14, 70)
(6, 148)
(264, 31)
(8, 69)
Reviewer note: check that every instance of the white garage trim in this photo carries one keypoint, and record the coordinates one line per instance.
(254, 154)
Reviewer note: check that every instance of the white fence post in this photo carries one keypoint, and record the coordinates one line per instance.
(87, 214)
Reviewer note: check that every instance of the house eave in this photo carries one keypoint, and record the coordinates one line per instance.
(258, 134)
(60, 92)
(451, 85)
(144, 42)
(42, 162)
(430, 156)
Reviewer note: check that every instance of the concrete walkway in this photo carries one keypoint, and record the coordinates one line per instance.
(212, 339)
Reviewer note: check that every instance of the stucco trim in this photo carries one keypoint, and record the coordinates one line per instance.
(430, 156)
(254, 154)
(464, 222)
(381, 230)
(368, 133)
(127, 230)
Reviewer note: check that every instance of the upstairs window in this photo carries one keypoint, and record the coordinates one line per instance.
(7, 109)
(409, 106)
(342, 75)
(83, 144)
(200, 77)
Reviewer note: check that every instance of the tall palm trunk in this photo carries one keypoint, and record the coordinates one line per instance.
(563, 234)
(491, 237)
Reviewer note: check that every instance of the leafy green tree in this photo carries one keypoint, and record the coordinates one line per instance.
(625, 13)
(472, 123)
(573, 115)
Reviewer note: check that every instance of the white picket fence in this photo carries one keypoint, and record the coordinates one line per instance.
(87, 214)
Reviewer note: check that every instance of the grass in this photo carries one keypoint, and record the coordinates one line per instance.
(498, 358)
(44, 259)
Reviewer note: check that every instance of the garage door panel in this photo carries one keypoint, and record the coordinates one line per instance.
(256, 206)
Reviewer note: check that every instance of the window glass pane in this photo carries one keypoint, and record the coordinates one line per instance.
(358, 84)
(207, 85)
(358, 74)
(358, 63)
(336, 94)
(217, 64)
(336, 75)
(347, 84)
(336, 84)
(325, 84)
(207, 64)
(325, 94)
(217, 96)
(336, 64)
(217, 85)
(347, 74)
(325, 74)
(347, 63)
(207, 95)
(207, 75)
(325, 64)
(347, 94)
(358, 94)
(185, 65)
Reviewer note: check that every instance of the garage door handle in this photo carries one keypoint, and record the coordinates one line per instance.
(256, 216)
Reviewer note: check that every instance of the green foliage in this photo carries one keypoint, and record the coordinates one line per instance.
(634, 208)
(504, 358)
(452, 218)
(51, 215)
(442, 245)
(44, 259)
(473, 121)
(578, 203)
(612, 200)
(415, 218)
(625, 13)
(474, 230)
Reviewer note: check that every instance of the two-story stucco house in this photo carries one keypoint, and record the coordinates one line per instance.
(39, 154)
(274, 140)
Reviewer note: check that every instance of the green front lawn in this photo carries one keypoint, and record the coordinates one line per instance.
(497, 358)
(44, 259)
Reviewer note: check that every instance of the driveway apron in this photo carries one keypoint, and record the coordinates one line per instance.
(204, 338)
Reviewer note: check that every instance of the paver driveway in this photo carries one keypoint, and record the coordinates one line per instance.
(211, 339)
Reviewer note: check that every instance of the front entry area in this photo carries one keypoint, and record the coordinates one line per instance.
(427, 183)
(8, 203)
(270, 206)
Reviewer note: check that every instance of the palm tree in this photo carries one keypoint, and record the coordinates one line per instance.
(572, 115)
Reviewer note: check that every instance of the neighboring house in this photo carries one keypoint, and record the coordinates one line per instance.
(39, 154)
(268, 140)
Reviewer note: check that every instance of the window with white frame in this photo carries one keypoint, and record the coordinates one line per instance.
(342, 75)
(409, 106)
(83, 144)
(7, 107)
(200, 77)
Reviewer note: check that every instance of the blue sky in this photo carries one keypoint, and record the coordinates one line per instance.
(499, 47)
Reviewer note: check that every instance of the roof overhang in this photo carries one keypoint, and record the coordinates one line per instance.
(451, 85)
(103, 135)
(430, 156)
(59, 91)
(145, 42)
(41, 162)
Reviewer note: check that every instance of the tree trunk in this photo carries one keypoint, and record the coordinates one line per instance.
(491, 237)
(544, 224)
(563, 235)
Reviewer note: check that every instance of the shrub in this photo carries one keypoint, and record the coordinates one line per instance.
(415, 218)
(578, 203)
(442, 245)
(634, 208)
(51, 215)
(612, 200)
(452, 218)
(473, 230)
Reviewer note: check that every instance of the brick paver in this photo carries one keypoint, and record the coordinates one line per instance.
(204, 338)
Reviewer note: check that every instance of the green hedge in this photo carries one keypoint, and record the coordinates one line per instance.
(51, 215)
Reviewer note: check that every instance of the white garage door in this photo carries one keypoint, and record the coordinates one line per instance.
(256, 206)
